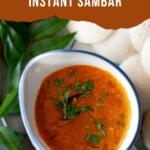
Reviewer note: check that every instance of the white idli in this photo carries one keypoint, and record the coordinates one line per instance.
(146, 130)
(88, 32)
(82, 46)
(133, 68)
(145, 56)
(117, 47)
(139, 33)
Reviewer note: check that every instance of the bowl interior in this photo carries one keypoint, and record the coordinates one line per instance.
(38, 68)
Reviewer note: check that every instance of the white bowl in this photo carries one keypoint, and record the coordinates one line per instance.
(39, 67)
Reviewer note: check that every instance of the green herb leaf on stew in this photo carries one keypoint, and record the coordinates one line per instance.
(70, 111)
(57, 102)
(87, 108)
(92, 138)
(73, 111)
(65, 98)
(84, 88)
(77, 86)
(58, 81)
(87, 86)
(100, 128)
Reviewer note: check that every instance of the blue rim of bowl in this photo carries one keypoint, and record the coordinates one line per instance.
(115, 66)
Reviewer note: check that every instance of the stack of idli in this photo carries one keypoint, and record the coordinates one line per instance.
(130, 48)
(117, 47)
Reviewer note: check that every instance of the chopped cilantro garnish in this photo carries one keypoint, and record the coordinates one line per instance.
(92, 138)
(77, 86)
(57, 102)
(70, 110)
(84, 88)
(100, 128)
(58, 81)
(65, 98)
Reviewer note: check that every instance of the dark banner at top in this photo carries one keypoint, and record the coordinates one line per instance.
(107, 13)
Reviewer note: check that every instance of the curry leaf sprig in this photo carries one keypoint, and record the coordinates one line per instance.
(21, 42)
(20, 47)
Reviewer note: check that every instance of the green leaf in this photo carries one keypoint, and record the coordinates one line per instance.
(13, 45)
(47, 27)
(83, 88)
(15, 109)
(22, 30)
(93, 138)
(66, 96)
(3, 31)
(100, 128)
(77, 86)
(87, 108)
(10, 52)
(16, 40)
(65, 101)
(14, 73)
(58, 103)
(87, 86)
(12, 140)
(51, 43)
(73, 111)
(65, 110)
(8, 103)
(7, 31)
(58, 81)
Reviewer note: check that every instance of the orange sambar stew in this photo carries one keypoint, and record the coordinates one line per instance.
(82, 108)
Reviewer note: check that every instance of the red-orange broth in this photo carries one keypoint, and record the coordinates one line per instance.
(82, 108)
